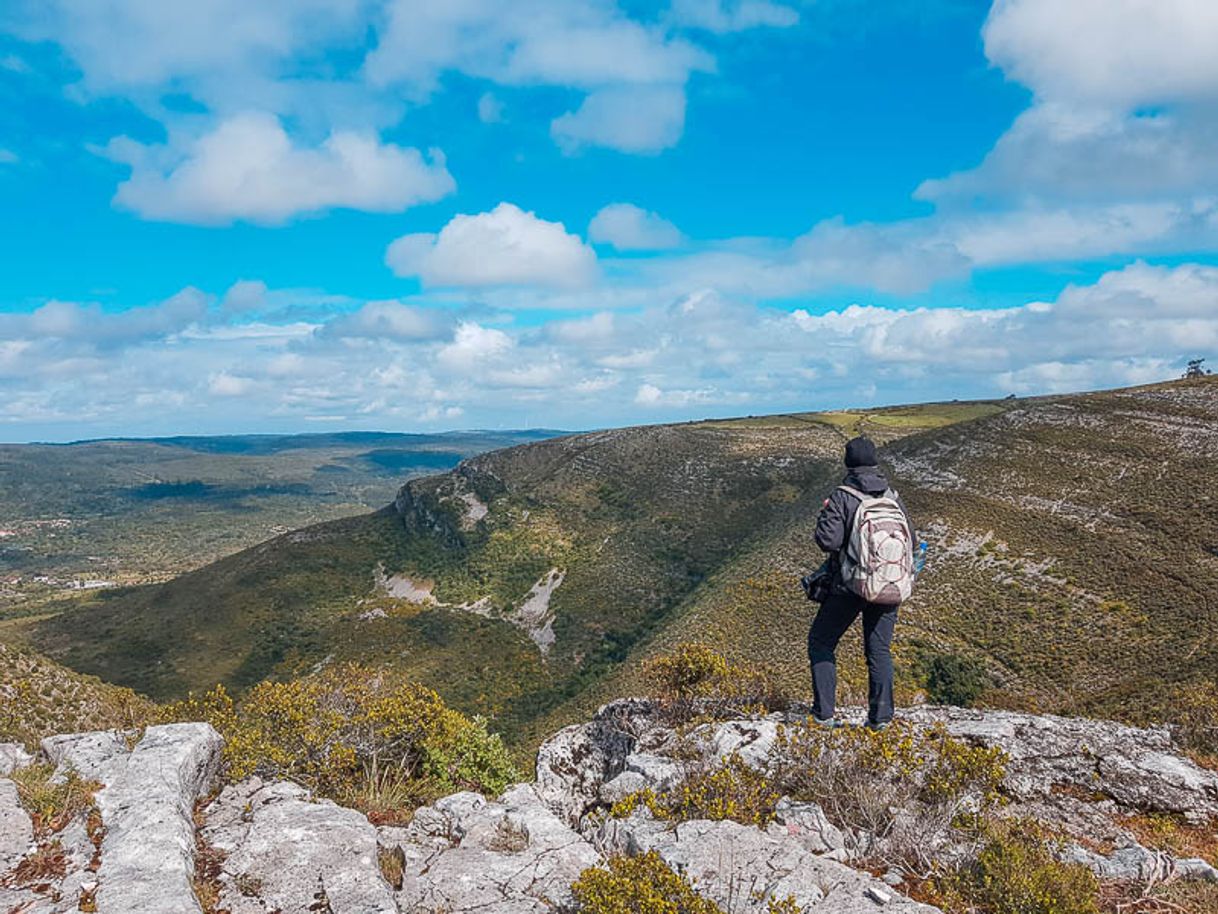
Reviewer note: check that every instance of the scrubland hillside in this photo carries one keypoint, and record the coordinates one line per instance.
(1073, 566)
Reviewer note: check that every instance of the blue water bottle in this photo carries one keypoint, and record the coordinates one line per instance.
(919, 561)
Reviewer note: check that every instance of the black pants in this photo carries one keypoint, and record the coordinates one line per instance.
(835, 616)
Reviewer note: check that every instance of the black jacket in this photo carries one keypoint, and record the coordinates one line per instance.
(837, 516)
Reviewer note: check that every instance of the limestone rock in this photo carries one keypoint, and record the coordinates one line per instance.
(513, 855)
(807, 825)
(12, 757)
(1139, 768)
(16, 830)
(1135, 862)
(147, 855)
(574, 763)
(741, 868)
(286, 853)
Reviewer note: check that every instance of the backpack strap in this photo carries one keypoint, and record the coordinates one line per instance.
(855, 492)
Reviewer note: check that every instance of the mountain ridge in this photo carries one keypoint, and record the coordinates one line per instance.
(698, 532)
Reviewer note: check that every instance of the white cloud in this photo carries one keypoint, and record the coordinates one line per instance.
(723, 16)
(472, 346)
(506, 246)
(636, 119)
(1123, 108)
(1111, 52)
(1062, 152)
(386, 320)
(243, 296)
(223, 384)
(248, 168)
(88, 323)
(67, 372)
(630, 228)
(581, 43)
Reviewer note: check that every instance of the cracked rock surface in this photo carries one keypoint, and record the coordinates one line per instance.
(285, 852)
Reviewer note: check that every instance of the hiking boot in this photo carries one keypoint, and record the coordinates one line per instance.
(871, 725)
(829, 723)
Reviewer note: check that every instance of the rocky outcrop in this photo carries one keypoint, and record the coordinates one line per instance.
(284, 851)
(259, 847)
(464, 854)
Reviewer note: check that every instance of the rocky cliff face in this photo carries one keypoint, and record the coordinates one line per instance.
(158, 839)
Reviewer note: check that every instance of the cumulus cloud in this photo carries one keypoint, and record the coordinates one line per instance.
(700, 353)
(631, 228)
(223, 384)
(505, 246)
(248, 168)
(637, 119)
(1125, 53)
(473, 346)
(1123, 106)
(582, 43)
(243, 296)
(386, 320)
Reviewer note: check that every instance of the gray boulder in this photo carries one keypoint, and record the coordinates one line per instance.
(147, 854)
(513, 855)
(1137, 767)
(285, 853)
(16, 829)
(742, 868)
(1135, 862)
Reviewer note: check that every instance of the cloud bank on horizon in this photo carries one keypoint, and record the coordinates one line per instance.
(399, 214)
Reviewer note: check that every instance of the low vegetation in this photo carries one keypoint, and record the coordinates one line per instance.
(354, 735)
(40, 698)
(695, 679)
(52, 802)
(730, 790)
(1016, 872)
(647, 885)
(952, 679)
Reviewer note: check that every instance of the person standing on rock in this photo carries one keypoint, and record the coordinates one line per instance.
(867, 532)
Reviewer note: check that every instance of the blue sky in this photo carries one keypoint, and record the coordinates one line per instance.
(299, 214)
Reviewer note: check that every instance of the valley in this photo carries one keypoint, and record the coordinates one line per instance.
(99, 514)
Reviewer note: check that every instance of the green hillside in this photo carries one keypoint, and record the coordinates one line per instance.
(127, 511)
(1074, 556)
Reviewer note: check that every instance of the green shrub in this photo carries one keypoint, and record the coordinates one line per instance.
(1016, 872)
(353, 734)
(952, 679)
(638, 885)
(647, 885)
(694, 678)
(907, 787)
(731, 790)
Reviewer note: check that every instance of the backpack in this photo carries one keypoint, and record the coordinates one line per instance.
(877, 562)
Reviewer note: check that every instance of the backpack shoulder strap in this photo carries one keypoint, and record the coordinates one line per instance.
(855, 492)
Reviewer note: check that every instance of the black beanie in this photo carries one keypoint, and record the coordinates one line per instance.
(860, 452)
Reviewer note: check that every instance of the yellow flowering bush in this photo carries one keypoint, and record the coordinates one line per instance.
(647, 885)
(861, 777)
(1016, 872)
(731, 790)
(638, 885)
(695, 678)
(351, 733)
